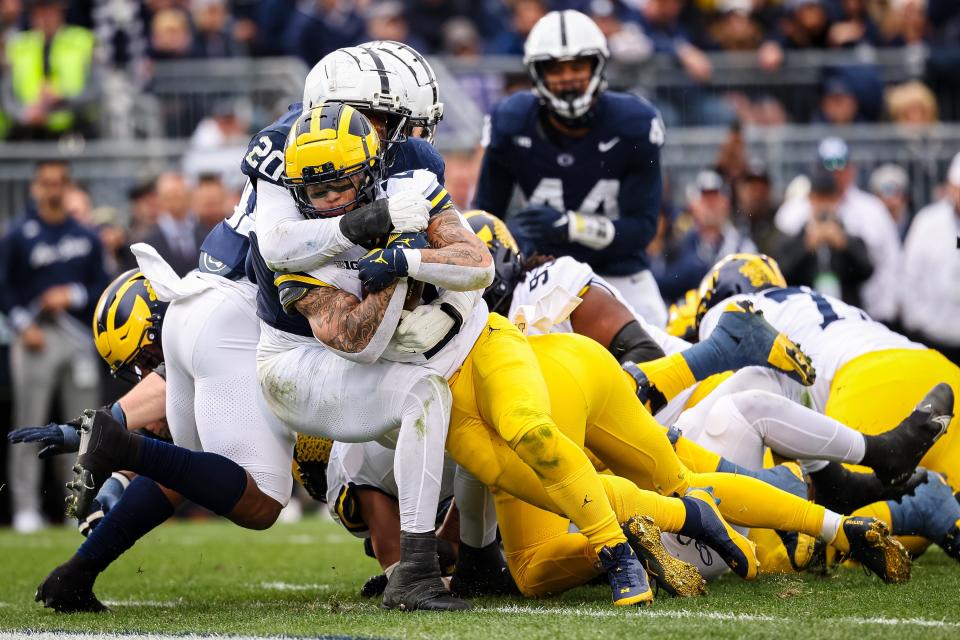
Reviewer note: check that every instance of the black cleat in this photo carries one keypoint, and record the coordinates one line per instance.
(951, 542)
(374, 586)
(415, 583)
(872, 546)
(673, 575)
(844, 491)
(482, 572)
(894, 455)
(105, 447)
(69, 589)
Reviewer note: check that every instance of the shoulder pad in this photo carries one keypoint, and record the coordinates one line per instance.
(264, 156)
(510, 115)
(416, 153)
(633, 116)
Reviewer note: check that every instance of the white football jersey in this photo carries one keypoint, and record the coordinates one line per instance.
(342, 273)
(829, 330)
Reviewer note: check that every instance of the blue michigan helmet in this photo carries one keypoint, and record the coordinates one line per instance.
(735, 274)
(506, 258)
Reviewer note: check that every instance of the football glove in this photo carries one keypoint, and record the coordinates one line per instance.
(542, 226)
(310, 457)
(60, 438)
(409, 211)
(429, 327)
(592, 231)
(380, 267)
(54, 438)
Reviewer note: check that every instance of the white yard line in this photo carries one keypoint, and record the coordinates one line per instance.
(291, 586)
(718, 615)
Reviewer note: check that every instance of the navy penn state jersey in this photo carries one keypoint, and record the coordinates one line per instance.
(224, 250)
(614, 171)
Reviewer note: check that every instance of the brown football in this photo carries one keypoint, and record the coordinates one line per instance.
(414, 294)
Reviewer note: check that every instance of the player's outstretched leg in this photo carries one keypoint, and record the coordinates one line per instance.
(415, 583)
(844, 491)
(895, 454)
(676, 577)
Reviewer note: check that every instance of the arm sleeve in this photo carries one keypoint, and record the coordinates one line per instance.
(288, 241)
(495, 186)
(11, 302)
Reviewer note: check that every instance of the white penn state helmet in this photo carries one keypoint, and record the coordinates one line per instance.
(566, 35)
(364, 79)
(426, 110)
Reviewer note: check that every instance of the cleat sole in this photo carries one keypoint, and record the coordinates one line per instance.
(676, 577)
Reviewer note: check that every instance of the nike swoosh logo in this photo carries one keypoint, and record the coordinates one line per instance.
(609, 144)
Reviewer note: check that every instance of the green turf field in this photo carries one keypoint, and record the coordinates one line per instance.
(303, 579)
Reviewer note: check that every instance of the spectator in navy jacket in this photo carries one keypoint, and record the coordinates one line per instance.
(51, 275)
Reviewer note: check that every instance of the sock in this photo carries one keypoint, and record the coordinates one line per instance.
(142, 507)
(478, 513)
(209, 479)
(778, 476)
(418, 463)
(572, 483)
(628, 500)
(670, 375)
(748, 502)
(830, 530)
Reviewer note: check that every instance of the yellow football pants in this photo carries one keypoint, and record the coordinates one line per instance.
(595, 403)
(499, 384)
(874, 392)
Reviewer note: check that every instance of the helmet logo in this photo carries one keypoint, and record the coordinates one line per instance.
(565, 160)
(755, 272)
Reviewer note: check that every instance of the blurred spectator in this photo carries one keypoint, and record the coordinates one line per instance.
(712, 237)
(318, 27)
(387, 21)
(78, 204)
(852, 25)
(861, 215)
(755, 208)
(823, 255)
(117, 256)
(272, 18)
(428, 17)
(460, 176)
(804, 25)
(889, 182)
(178, 234)
(525, 14)
(838, 103)
(228, 125)
(930, 296)
(462, 40)
(660, 21)
(121, 30)
(170, 37)
(906, 24)
(626, 41)
(210, 200)
(52, 82)
(51, 275)
(213, 35)
(912, 103)
(144, 209)
(735, 29)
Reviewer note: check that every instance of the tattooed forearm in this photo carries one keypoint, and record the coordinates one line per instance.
(454, 244)
(342, 321)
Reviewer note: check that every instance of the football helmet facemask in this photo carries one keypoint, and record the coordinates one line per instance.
(736, 274)
(126, 326)
(560, 36)
(507, 261)
(327, 145)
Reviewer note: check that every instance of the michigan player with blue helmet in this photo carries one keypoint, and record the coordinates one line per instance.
(586, 160)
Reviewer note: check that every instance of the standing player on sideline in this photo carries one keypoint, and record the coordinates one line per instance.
(586, 160)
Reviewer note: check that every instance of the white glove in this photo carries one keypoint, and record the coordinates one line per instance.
(592, 231)
(424, 327)
(421, 329)
(409, 211)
